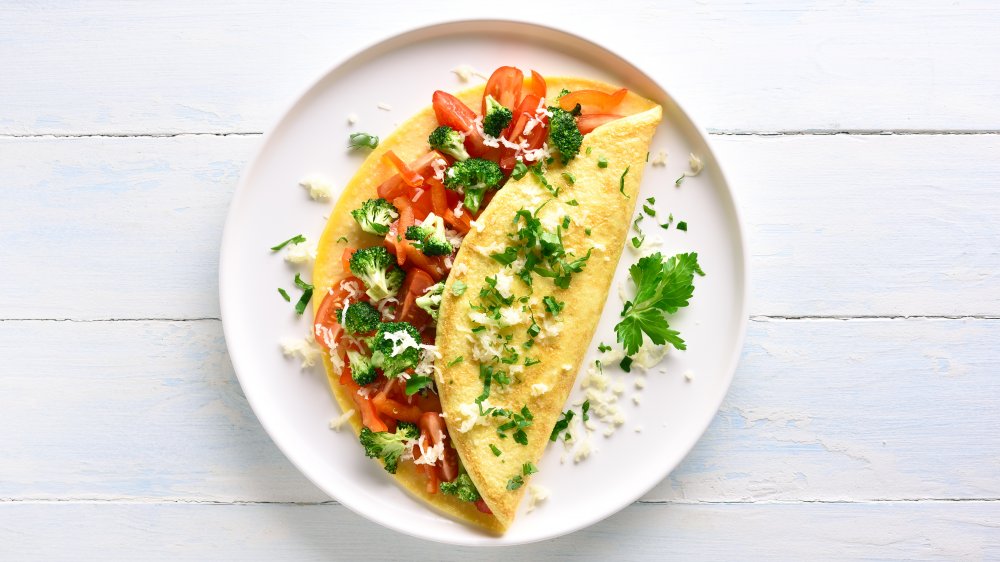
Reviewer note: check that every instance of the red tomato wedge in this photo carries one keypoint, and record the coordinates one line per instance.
(482, 507)
(394, 186)
(421, 202)
(392, 408)
(537, 85)
(588, 122)
(416, 284)
(439, 201)
(325, 325)
(452, 112)
(592, 100)
(345, 258)
(505, 86)
(409, 176)
(369, 417)
(536, 137)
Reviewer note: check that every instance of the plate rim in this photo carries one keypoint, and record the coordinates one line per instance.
(435, 28)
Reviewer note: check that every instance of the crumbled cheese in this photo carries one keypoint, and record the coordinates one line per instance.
(618, 387)
(305, 349)
(640, 382)
(426, 366)
(364, 391)
(505, 284)
(319, 187)
(459, 209)
(536, 495)
(636, 398)
(384, 106)
(649, 356)
(459, 269)
(465, 72)
(539, 389)
(352, 118)
(387, 308)
(351, 287)
(695, 164)
(338, 363)
(417, 193)
(401, 341)
(582, 452)
(477, 225)
(538, 154)
(454, 237)
(303, 252)
(688, 376)
(430, 455)
(339, 421)
(638, 429)
(470, 415)
(659, 159)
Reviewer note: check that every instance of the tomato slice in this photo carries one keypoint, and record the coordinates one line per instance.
(439, 201)
(434, 266)
(393, 408)
(452, 112)
(345, 258)
(409, 176)
(369, 416)
(482, 507)
(416, 284)
(325, 325)
(525, 111)
(394, 186)
(433, 425)
(505, 86)
(421, 201)
(590, 121)
(537, 85)
(593, 101)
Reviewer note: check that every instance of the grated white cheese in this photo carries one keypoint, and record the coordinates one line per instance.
(505, 284)
(640, 382)
(384, 106)
(304, 252)
(459, 269)
(477, 225)
(430, 455)
(439, 166)
(319, 187)
(695, 164)
(539, 389)
(387, 308)
(401, 341)
(352, 118)
(688, 376)
(465, 72)
(364, 391)
(339, 421)
(305, 349)
(470, 415)
(536, 495)
(659, 159)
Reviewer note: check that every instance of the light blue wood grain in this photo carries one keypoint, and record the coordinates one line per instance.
(187, 66)
(820, 410)
(880, 531)
(897, 225)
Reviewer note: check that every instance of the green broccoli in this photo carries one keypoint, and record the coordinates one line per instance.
(473, 176)
(388, 446)
(564, 134)
(375, 215)
(362, 369)
(378, 270)
(430, 237)
(496, 118)
(462, 488)
(431, 299)
(448, 141)
(361, 318)
(396, 347)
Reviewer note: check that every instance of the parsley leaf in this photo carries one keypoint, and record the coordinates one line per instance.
(528, 469)
(662, 287)
(562, 425)
(683, 225)
(515, 483)
(496, 452)
(284, 294)
(307, 293)
(297, 239)
(456, 361)
(602, 162)
(520, 169)
(621, 182)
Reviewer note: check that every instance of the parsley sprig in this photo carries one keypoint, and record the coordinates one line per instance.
(662, 287)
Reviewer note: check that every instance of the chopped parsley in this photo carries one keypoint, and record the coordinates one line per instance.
(362, 140)
(529, 361)
(553, 306)
(515, 483)
(602, 162)
(570, 178)
(626, 364)
(562, 425)
(603, 347)
(539, 175)
(589, 149)
(517, 422)
(528, 469)
(662, 287)
(585, 409)
(284, 294)
(621, 181)
(670, 221)
(456, 361)
(520, 169)
(638, 240)
(297, 239)
(496, 452)
(572, 203)
(458, 288)
(343, 239)
(416, 383)
(682, 225)
(307, 293)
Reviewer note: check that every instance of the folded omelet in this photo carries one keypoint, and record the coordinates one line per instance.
(488, 313)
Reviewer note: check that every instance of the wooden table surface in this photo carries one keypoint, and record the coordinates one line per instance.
(861, 138)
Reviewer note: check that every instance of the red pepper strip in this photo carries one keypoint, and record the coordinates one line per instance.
(405, 221)
(416, 284)
(482, 507)
(394, 186)
(537, 86)
(439, 200)
(588, 122)
(345, 258)
(369, 417)
(410, 176)
(394, 409)
(592, 101)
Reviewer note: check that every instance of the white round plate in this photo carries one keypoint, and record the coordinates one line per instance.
(295, 406)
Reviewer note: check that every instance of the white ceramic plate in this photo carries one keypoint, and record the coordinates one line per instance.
(295, 406)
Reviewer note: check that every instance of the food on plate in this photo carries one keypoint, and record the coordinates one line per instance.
(461, 275)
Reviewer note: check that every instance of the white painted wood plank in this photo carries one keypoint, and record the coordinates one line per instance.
(189, 66)
(820, 411)
(838, 225)
(881, 531)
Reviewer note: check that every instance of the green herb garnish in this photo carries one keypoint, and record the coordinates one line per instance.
(662, 287)
(297, 239)
(682, 225)
(458, 288)
(284, 294)
(416, 383)
(496, 452)
(621, 181)
(570, 178)
(307, 292)
(602, 162)
(520, 169)
(456, 361)
(562, 425)
(515, 483)
(362, 140)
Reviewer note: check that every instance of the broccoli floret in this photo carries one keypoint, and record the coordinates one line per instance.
(362, 369)
(431, 299)
(388, 446)
(449, 141)
(361, 318)
(496, 118)
(562, 93)
(564, 134)
(473, 176)
(378, 270)
(396, 347)
(462, 488)
(430, 237)
(375, 215)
